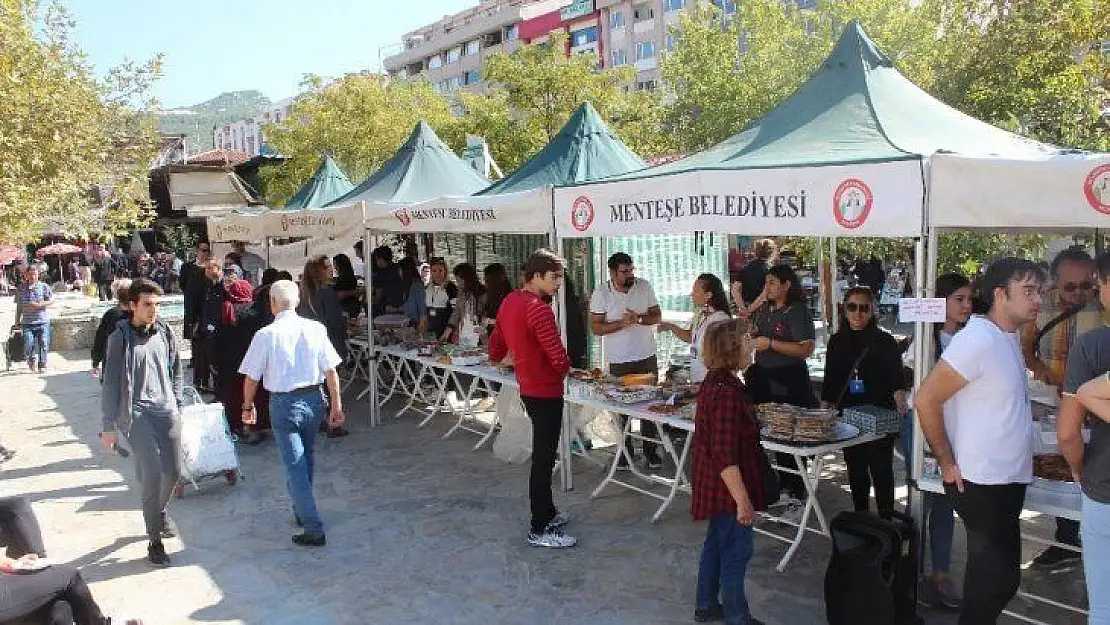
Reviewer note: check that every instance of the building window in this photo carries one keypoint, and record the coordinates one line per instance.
(472, 77)
(670, 6)
(435, 62)
(454, 54)
(643, 12)
(645, 85)
(583, 37)
(620, 57)
(471, 48)
(512, 33)
(671, 41)
(645, 50)
(616, 20)
(728, 6)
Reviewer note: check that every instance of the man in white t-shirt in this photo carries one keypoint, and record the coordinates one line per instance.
(983, 437)
(624, 311)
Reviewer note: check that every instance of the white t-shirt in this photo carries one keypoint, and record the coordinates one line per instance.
(697, 335)
(633, 343)
(989, 421)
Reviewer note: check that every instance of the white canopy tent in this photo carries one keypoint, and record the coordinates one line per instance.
(525, 212)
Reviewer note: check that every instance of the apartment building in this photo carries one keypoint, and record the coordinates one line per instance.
(246, 135)
(450, 52)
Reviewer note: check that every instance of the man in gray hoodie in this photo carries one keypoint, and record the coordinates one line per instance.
(141, 398)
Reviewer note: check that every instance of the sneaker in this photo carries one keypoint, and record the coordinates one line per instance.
(710, 614)
(32, 366)
(156, 554)
(169, 528)
(559, 521)
(1055, 556)
(551, 538)
(310, 540)
(947, 594)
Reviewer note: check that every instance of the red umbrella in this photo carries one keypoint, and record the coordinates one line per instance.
(9, 253)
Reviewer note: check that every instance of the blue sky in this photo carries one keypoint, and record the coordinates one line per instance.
(215, 46)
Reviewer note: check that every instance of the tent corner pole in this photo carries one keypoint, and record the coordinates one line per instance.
(565, 471)
(371, 355)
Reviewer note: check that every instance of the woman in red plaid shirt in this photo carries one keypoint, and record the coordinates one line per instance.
(728, 484)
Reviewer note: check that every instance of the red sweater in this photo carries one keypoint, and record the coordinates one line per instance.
(526, 328)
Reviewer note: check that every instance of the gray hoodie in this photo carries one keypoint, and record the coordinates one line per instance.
(120, 388)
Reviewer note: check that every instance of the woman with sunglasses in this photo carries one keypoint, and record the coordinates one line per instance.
(864, 366)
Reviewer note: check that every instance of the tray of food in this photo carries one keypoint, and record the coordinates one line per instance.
(468, 357)
(586, 375)
(778, 418)
(839, 432)
(632, 394)
(682, 410)
(390, 321)
(640, 379)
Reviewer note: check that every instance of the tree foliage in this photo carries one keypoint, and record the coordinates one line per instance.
(74, 148)
(360, 120)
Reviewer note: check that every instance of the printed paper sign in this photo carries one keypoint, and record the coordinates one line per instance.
(923, 310)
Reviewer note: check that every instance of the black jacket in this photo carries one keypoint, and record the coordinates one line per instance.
(108, 323)
(880, 369)
(326, 308)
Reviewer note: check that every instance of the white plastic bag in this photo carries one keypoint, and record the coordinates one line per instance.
(206, 444)
(514, 443)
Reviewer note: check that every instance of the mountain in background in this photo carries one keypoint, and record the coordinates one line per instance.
(197, 121)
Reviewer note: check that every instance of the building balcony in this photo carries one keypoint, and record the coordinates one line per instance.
(618, 34)
(644, 26)
(644, 65)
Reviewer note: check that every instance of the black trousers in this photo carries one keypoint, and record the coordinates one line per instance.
(19, 529)
(547, 422)
(56, 595)
(104, 291)
(872, 464)
(1067, 531)
(991, 518)
(647, 428)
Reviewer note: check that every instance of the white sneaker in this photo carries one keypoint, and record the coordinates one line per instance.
(559, 520)
(551, 538)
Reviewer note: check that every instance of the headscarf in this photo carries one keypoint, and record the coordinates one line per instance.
(238, 292)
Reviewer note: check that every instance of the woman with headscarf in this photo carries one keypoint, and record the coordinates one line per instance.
(240, 321)
(319, 302)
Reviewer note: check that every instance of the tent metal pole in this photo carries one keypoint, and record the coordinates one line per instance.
(371, 355)
(822, 288)
(926, 278)
(834, 306)
(566, 474)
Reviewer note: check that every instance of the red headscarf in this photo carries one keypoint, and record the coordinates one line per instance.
(238, 292)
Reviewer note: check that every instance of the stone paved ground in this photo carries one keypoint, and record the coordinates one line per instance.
(420, 530)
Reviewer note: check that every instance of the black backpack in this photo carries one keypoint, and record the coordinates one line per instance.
(872, 574)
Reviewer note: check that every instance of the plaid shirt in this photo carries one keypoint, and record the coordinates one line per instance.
(725, 434)
(1056, 343)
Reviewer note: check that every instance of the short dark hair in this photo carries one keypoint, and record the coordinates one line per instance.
(1102, 266)
(1001, 272)
(1074, 254)
(618, 259)
(141, 287)
(383, 252)
(542, 261)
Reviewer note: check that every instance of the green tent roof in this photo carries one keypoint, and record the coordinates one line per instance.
(855, 108)
(422, 169)
(585, 149)
(327, 184)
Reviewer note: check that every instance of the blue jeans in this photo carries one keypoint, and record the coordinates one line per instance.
(1096, 558)
(36, 342)
(938, 515)
(295, 418)
(724, 563)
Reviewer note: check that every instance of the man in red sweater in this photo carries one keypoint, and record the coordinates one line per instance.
(527, 336)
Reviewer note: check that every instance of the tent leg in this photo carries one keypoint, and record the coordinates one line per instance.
(565, 470)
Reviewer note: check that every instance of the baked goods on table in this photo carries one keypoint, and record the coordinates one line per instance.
(1052, 467)
(815, 425)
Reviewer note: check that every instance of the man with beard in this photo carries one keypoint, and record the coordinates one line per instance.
(623, 311)
(208, 322)
(974, 410)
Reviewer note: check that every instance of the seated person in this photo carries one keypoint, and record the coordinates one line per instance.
(53, 595)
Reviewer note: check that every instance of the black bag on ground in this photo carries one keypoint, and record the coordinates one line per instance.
(16, 351)
(872, 574)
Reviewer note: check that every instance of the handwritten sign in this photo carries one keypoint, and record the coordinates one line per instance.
(924, 310)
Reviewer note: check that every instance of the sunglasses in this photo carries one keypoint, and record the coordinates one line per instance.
(854, 307)
(1070, 287)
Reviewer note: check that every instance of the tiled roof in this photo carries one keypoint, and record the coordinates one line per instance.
(220, 156)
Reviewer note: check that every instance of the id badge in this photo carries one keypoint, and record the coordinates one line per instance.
(856, 386)
(431, 312)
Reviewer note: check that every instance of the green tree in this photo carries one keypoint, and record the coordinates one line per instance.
(178, 239)
(74, 148)
(360, 120)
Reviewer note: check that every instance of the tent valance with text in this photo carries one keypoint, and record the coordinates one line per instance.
(331, 222)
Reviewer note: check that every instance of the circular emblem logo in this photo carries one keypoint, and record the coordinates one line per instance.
(1097, 188)
(852, 203)
(581, 214)
(402, 215)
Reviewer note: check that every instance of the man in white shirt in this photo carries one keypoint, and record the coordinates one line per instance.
(623, 311)
(295, 357)
(983, 436)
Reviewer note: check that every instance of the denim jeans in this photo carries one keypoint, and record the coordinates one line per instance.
(295, 418)
(36, 342)
(724, 563)
(937, 512)
(1096, 558)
